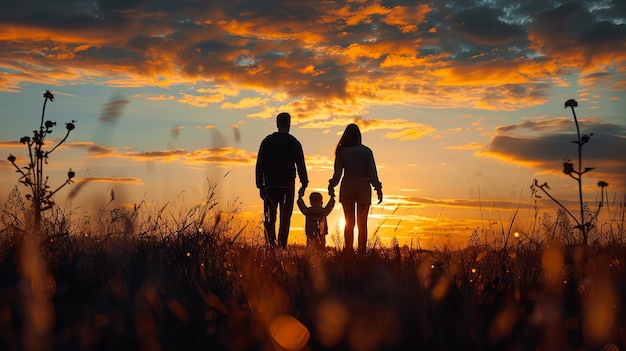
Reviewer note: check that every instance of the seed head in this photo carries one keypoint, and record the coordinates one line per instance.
(585, 138)
(24, 140)
(50, 124)
(571, 103)
(70, 174)
(48, 95)
(568, 167)
(69, 126)
(603, 184)
(11, 158)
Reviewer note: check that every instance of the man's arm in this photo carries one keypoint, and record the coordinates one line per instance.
(300, 165)
(260, 165)
(260, 170)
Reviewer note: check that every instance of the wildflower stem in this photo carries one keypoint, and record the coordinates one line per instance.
(557, 202)
(60, 142)
(49, 196)
(43, 112)
(582, 223)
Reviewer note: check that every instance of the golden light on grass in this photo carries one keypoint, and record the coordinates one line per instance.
(441, 288)
(39, 289)
(177, 308)
(503, 323)
(552, 264)
(600, 308)
(332, 318)
(288, 333)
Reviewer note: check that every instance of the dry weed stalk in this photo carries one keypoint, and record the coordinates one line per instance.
(582, 223)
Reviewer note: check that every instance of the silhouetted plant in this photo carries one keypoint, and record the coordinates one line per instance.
(32, 175)
(583, 223)
(14, 213)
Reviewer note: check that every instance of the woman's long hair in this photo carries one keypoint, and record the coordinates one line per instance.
(351, 137)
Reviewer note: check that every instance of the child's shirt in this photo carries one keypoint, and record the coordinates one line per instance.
(315, 223)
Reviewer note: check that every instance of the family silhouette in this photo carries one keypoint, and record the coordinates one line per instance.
(281, 157)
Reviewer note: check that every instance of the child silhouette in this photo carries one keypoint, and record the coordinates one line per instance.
(316, 226)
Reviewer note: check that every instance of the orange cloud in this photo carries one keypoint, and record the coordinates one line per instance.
(407, 17)
(319, 163)
(200, 101)
(223, 156)
(10, 143)
(468, 146)
(161, 97)
(18, 32)
(113, 180)
(394, 60)
(245, 103)
(464, 203)
(357, 14)
(164, 155)
(409, 134)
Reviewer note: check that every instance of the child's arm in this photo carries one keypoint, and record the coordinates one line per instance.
(302, 206)
(329, 206)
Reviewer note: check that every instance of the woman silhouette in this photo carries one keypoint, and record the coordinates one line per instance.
(356, 162)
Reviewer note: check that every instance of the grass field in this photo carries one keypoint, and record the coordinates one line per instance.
(140, 282)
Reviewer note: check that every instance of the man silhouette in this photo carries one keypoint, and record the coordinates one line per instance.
(280, 156)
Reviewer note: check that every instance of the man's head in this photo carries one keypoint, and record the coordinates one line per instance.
(316, 199)
(283, 122)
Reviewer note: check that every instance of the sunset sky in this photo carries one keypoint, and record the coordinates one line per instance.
(462, 101)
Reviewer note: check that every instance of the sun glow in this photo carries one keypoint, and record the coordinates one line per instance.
(341, 224)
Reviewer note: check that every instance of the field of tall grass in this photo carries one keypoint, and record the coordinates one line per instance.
(192, 279)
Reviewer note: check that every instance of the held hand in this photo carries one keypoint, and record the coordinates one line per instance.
(301, 192)
(379, 192)
(331, 191)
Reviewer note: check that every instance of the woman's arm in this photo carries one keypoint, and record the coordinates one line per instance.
(372, 173)
(338, 170)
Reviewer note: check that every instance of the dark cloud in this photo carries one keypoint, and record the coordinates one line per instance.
(112, 110)
(546, 144)
(465, 203)
(100, 151)
(615, 10)
(574, 31)
(483, 26)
